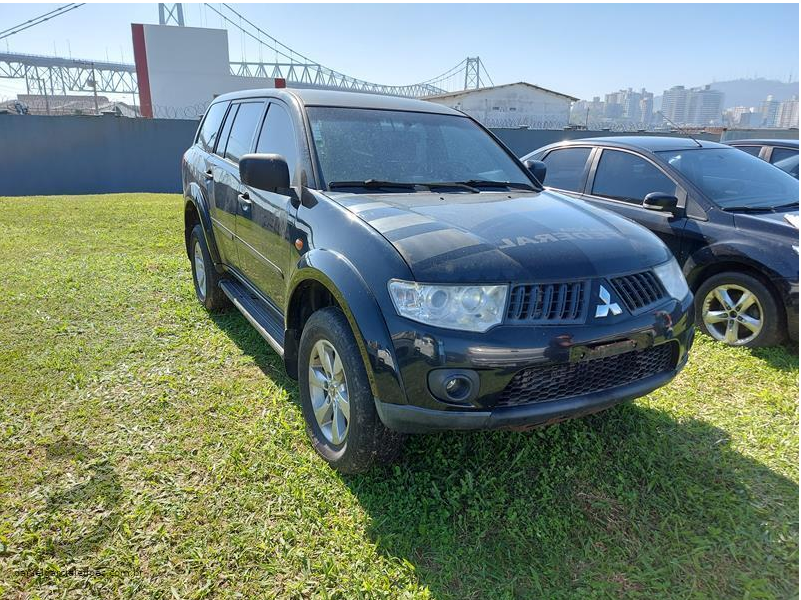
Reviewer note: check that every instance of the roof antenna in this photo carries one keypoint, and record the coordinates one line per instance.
(680, 129)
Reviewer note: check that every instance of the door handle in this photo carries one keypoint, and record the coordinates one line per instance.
(209, 174)
(244, 198)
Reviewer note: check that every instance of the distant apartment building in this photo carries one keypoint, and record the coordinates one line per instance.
(628, 105)
(739, 116)
(695, 106)
(674, 104)
(787, 113)
(768, 112)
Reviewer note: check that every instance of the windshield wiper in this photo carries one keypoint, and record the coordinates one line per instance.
(783, 206)
(405, 185)
(372, 183)
(479, 183)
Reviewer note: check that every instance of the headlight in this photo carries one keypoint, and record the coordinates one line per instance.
(465, 307)
(672, 279)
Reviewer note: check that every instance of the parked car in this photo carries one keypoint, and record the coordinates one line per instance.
(780, 153)
(413, 274)
(730, 219)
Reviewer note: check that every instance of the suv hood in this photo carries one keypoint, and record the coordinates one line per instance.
(495, 237)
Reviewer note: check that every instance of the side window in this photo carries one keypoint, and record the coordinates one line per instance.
(781, 153)
(240, 140)
(226, 129)
(752, 150)
(566, 168)
(277, 136)
(626, 176)
(211, 126)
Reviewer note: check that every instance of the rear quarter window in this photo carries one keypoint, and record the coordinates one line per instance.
(210, 128)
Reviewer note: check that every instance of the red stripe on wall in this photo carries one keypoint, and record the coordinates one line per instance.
(142, 78)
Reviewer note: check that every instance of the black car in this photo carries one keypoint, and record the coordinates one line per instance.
(780, 153)
(730, 219)
(414, 275)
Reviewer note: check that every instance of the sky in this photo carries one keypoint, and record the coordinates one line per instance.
(583, 50)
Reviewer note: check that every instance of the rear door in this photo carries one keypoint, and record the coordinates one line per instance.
(236, 139)
(261, 226)
(619, 180)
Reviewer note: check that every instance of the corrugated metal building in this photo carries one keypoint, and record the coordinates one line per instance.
(512, 105)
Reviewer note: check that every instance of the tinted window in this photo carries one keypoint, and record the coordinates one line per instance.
(226, 129)
(240, 139)
(566, 168)
(752, 150)
(626, 176)
(789, 165)
(278, 136)
(211, 125)
(358, 144)
(732, 178)
(782, 153)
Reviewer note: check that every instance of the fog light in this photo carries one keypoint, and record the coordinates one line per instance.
(459, 386)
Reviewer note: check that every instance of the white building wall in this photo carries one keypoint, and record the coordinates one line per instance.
(512, 106)
(188, 67)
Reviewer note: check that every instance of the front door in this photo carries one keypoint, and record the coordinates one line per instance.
(262, 216)
(236, 139)
(619, 182)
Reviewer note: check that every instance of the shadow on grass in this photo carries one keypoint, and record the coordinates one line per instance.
(629, 502)
(99, 495)
(626, 502)
(784, 358)
(247, 339)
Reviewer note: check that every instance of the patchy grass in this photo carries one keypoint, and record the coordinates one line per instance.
(149, 449)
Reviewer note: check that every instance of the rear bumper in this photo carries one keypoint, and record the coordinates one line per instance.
(413, 419)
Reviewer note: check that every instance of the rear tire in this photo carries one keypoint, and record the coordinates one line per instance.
(204, 276)
(739, 310)
(341, 419)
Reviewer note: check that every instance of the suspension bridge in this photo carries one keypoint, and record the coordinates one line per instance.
(54, 75)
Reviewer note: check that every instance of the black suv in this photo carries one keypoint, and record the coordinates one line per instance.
(730, 219)
(413, 274)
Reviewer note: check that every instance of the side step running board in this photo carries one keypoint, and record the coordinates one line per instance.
(264, 318)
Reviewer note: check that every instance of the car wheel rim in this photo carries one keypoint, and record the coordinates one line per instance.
(200, 272)
(733, 314)
(328, 388)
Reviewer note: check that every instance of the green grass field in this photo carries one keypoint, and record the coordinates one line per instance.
(149, 449)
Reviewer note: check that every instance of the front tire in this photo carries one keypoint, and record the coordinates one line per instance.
(338, 406)
(204, 276)
(738, 310)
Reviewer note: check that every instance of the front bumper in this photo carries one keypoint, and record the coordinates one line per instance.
(498, 355)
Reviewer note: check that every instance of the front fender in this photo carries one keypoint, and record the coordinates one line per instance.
(741, 253)
(340, 277)
(196, 197)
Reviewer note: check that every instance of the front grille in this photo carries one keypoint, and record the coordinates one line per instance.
(541, 384)
(638, 290)
(548, 303)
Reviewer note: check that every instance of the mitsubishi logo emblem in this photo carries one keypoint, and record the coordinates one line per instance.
(606, 306)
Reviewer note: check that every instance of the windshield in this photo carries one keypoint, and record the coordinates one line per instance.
(732, 178)
(357, 145)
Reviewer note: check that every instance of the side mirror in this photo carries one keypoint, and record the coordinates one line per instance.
(268, 172)
(538, 169)
(661, 201)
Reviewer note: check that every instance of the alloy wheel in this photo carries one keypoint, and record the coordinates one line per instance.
(732, 314)
(328, 388)
(200, 271)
